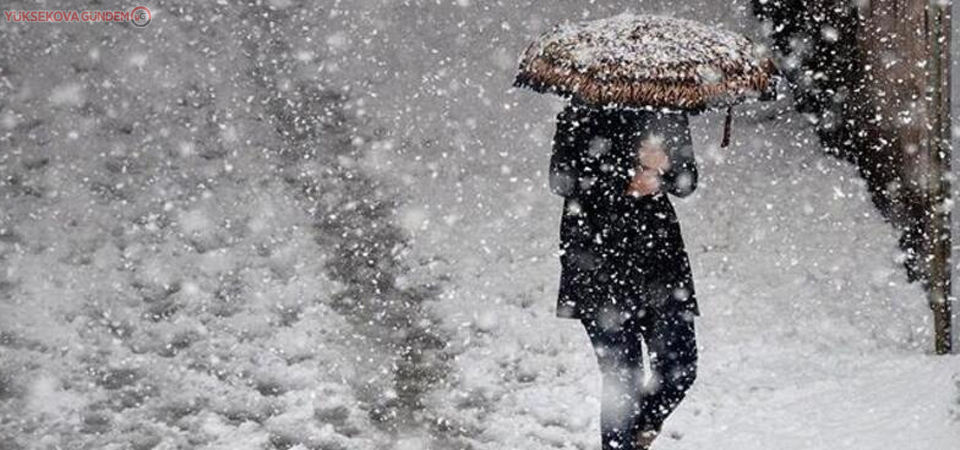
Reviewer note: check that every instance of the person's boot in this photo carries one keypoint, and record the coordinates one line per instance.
(645, 439)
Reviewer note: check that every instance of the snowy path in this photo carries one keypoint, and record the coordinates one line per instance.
(810, 337)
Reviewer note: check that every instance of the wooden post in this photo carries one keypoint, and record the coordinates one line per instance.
(938, 185)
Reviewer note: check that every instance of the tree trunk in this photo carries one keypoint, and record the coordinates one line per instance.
(874, 74)
(938, 101)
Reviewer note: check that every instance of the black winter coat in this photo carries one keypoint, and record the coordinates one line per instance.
(620, 253)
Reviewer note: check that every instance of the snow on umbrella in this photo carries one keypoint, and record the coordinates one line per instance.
(647, 61)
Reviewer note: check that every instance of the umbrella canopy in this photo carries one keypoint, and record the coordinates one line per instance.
(647, 61)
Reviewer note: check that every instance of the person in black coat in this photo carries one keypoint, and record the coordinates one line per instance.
(625, 274)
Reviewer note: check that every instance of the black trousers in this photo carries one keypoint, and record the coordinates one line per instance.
(629, 407)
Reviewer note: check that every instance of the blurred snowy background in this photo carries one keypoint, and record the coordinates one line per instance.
(324, 225)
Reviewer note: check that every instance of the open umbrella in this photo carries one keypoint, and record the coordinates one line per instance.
(648, 61)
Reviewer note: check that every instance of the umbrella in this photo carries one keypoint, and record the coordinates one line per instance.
(648, 61)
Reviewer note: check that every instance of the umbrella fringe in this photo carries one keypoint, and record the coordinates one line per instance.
(738, 83)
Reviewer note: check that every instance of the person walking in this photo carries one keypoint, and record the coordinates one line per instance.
(622, 147)
(625, 274)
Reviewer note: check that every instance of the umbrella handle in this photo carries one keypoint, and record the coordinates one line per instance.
(725, 142)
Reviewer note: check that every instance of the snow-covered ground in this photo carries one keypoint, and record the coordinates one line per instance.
(165, 285)
(810, 338)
